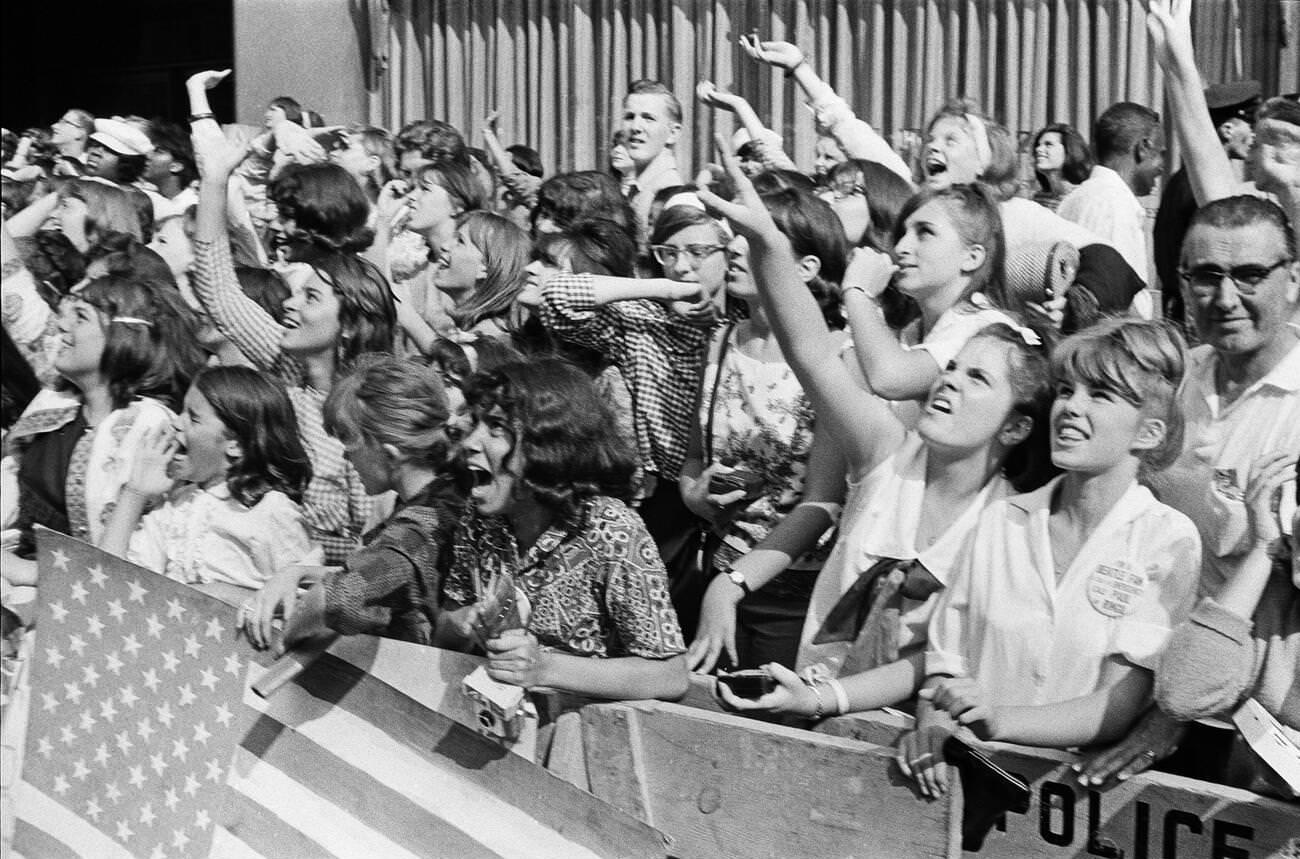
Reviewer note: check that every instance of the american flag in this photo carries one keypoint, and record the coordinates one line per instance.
(145, 740)
(133, 714)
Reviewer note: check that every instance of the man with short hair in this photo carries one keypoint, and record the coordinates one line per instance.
(1232, 110)
(652, 120)
(1241, 399)
(1129, 145)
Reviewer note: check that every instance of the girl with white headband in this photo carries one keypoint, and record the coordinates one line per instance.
(125, 358)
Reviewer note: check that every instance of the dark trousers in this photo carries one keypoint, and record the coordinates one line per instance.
(770, 620)
(677, 533)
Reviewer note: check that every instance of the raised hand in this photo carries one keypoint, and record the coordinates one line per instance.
(149, 471)
(783, 55)
(708, 93)
(747, 213)
(206, 79)
(869, 269)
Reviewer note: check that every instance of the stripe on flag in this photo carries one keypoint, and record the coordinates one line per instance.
(145, 740)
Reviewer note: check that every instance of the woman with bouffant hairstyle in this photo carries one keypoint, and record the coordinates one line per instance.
(548, 473)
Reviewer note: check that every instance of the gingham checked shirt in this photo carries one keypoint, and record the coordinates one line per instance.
(335, 504)
(661, 356)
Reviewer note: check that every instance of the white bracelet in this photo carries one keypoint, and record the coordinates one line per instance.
(841, 697)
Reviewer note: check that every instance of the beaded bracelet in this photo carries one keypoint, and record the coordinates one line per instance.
(821, 702)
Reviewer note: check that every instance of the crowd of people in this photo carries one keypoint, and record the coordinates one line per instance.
(921, 434)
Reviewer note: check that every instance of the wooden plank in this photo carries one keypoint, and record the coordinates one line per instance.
(721, 786)
(882, 727)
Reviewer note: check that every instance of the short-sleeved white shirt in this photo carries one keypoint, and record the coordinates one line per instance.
(201, 536)
(1029, 639)
(881, 514)
(1208, 481)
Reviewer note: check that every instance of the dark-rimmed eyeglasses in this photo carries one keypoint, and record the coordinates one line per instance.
(1205, 280)
(697, 254)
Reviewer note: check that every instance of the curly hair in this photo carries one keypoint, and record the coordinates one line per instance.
(256, 412)
(563, 431)
(434, 140)
(394, 401)
(326, 205)
(568, 197)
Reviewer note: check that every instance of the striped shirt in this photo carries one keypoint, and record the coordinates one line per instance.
(335, 504)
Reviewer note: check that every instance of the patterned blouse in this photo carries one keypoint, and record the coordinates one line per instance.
(598, 591)
(761, 422)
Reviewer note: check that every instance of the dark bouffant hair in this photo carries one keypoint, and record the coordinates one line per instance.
(257, 413)
(563, 430)
(327, 206)
(814, 230)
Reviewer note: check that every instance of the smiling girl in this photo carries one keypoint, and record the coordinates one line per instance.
(1065, 596)
(341, 308)
(125, 354)
(231, 478)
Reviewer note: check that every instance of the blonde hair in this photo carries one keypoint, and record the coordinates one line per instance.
(1143, 362)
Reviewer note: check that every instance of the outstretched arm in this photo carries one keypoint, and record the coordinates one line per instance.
(241, 319)
(864, 427)
(1170, 24)
(766, 139)
(856, 137)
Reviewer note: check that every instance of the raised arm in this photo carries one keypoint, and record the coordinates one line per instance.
(522, 186)
(864, 427)
(241, 319)
(856, 137)
(894, 372)
(767, 140)
(1170, 24)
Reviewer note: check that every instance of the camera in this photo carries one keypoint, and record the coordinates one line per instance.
(749, 481)
(500, 709)
(750, 683)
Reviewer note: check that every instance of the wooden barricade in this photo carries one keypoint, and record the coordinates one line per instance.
(722, 786)
(1151, 816)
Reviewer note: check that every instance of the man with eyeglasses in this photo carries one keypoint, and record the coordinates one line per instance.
(1241, 283)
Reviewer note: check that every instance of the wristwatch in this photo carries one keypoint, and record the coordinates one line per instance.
(738, 579)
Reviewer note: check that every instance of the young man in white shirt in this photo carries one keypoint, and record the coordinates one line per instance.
(652, 120)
